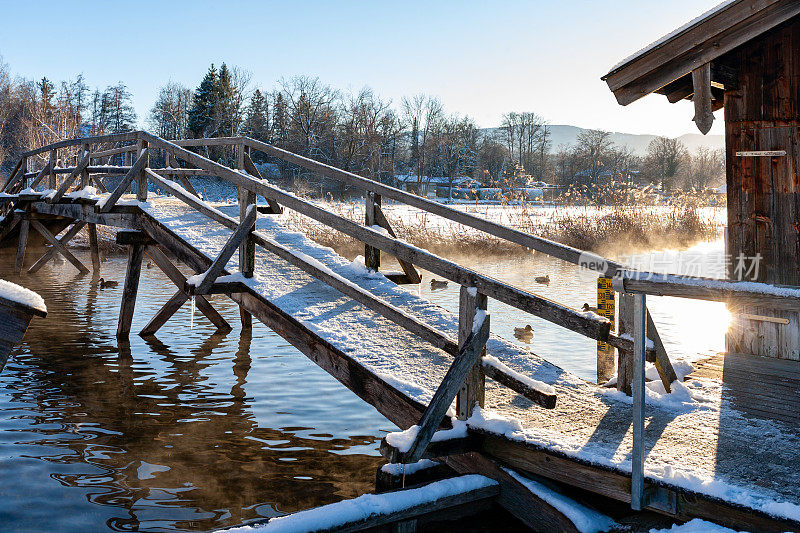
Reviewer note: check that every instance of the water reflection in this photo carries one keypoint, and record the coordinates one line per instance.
(188, 430)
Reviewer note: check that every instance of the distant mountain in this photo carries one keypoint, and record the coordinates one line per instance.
(567, 135)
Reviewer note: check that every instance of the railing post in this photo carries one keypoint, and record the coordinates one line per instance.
(51, 183)
(247, 250)
(624, 358)
(141, 179)
(23, 182)
(84, 172)
(372, 256)
(637, 453)
(472, 390)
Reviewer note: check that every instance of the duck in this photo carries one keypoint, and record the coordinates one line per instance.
(107, 284)
(438, 284)
(542, 279)
(587, 307)
(524, 334)
(149, 264)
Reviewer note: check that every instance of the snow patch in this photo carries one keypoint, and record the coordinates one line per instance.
(402, 440)
(398, 469)
(21, 295)
(695, 526)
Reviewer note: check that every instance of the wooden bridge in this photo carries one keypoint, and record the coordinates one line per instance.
(409, 358)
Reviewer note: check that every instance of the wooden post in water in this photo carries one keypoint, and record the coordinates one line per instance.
(372, 256)
(24, 226)
(51, 183)
(605, 307)
(94, 247)
(247, 250)
(141, 179)
(129, 292)
(472, 390)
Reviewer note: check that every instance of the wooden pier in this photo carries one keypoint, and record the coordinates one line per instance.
(405, 356)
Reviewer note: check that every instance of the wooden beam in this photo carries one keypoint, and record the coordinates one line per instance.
(141, 163)
(447, 390)
(165, 313)
(141, 177)
(49, 254)
(412, 276)
(218, 265)
(58, 246)
(372, 255)
(67, 183)
(46, 171)
(701, 83)
(130, 290)
(272, 206)
(94, 247)
(472, 390)
(171, 271)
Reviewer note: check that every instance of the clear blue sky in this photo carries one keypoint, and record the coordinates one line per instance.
(481, 58)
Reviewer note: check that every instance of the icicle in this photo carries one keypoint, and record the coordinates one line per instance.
(191, 316)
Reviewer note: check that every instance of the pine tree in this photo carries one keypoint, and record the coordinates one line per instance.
(225, 113)
(120, 114)
(201, 115)
(279, 121)
(46, 94)
(257, 119)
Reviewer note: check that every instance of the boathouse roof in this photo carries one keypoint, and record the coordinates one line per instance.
(666, 65)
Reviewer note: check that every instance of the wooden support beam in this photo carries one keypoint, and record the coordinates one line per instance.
(447, 390)
(13, 176)
(165, 313)
(51, 253)
(235, 240)
(625, 357)
(94, 248)
(84, 172)
(58, 246)
(664, 366)
(130, 290)
(273, 208)
(412, 276)
(472, 390)
(108, 203)
(19, 262)
(171, 271)
(247, 249)
(701, 83)
(67, 183)
(46, 171)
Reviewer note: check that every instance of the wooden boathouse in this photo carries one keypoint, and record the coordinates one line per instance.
(743, 56)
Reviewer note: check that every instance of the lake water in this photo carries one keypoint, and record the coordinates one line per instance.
(196, 431)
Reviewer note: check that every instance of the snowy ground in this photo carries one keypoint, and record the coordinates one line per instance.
(694, 439)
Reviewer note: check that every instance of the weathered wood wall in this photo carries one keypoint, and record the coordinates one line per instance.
(763, 113)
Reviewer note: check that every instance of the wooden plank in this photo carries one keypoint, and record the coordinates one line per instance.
(139, 165)
(114, 151)
(542, 398)
(534, 512)
(46, 171)
(625, 356)
(662, 363)
(52, 183)
(58, 246)
(49, 254)
(377, 518)
(130, 290)
(447, 390)
(19, 262)
(472, 390)
(12, 176)
(98, 139)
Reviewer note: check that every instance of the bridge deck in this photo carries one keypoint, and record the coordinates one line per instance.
(695, 438)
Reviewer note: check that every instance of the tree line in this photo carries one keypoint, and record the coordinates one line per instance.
(357, 131)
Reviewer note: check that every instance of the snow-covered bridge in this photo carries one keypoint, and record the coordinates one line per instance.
(698, 455)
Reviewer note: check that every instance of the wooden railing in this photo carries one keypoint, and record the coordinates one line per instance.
(465, 379)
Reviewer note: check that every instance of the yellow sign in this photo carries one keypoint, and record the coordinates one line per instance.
(605, 307)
